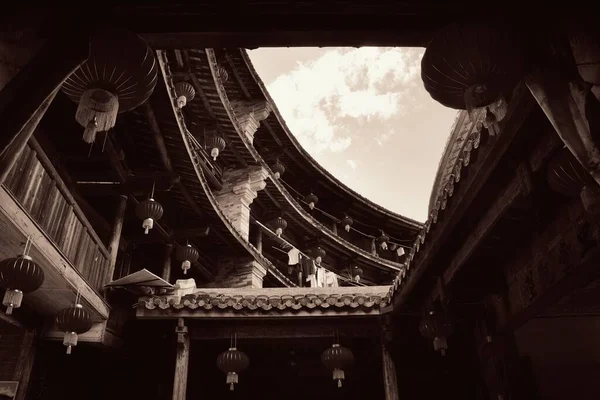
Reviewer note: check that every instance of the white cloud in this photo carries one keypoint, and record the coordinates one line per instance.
(351, 163)
(366, 83)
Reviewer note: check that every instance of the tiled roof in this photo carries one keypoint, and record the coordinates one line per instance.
(369, 299)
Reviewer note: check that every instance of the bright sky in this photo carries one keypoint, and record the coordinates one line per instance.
(364, 115)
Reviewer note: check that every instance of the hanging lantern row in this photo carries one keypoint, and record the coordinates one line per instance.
(319, 253)
(311, 200)
(278, 169)
(347, 222)
(216, 144)
(73, 321)
(111, 82)
(383, 240)
(187, 255)
(149, 211)
(436, 326)
(19, 275)
(185, 93)
(280, 225)
(337, 359)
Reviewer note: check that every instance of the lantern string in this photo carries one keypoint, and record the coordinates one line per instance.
(104, 143)
(78, 295)
(27, 246)
(152, 193)
(90, 151)
(392, 240)
(231, 341)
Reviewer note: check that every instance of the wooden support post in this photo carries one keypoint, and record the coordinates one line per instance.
(390, 382)
(166, 272)
(37, 82)
(259, 240)
(15, 149)
(181, 361)
(24, 365)
(115, 237)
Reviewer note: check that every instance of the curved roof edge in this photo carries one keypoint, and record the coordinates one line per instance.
(461, 128)
(408, 221)
(180, 120)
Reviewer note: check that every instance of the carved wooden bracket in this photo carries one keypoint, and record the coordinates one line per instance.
(182, 332)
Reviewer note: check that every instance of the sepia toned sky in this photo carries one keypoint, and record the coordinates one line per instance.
(364, 115)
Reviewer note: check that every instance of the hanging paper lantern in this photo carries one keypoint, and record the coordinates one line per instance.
(216, 144)
(222, 73)
(185, 93)
(278, 169)
(319, 254)
(19, 275)
(473, 67)
(187, 255)
(149, 211)
(383, 241)
(436, 326)
(119, 75)
(567, 176)
(337, 359)
(311, 200)
(280, 224)
(73, 321)
(357, 273)
(347, 222)
(232, 362)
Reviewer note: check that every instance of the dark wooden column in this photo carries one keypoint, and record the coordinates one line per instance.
(259, 240)
(24, 365)
(390, 382)
(115, 237)
(14, 150)
(25, 94)
(182, 360)
(166, 272)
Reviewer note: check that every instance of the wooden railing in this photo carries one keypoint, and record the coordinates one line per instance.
(35, 184)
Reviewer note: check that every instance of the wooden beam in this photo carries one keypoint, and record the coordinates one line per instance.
(115, 237)
(182, 234)
(14, 151)
(390, 382)
(158, 137)
(116, 158)
(277, 329)
(182, 360)
(37, 82)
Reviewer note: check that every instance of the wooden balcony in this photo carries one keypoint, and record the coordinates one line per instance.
(35, 202)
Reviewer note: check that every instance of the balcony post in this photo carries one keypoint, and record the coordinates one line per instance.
(115, 237)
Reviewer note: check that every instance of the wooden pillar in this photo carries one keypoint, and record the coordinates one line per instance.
(25, 94)
(390, 381)
(166, 271)
(115, 236)
(24, 365)
(14, 150)
(181, 361)
(259, 240)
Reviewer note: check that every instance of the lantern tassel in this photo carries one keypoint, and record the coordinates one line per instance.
(12, 299)
(347, 228)
(311, 205)
(440, 344)
(232, 379)
(185, 266)
(97, 112)
(70, 340)
(318, 260)
(214, 153)
(89, 134)
(338, 374)
(148, 224)
(278, 232)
